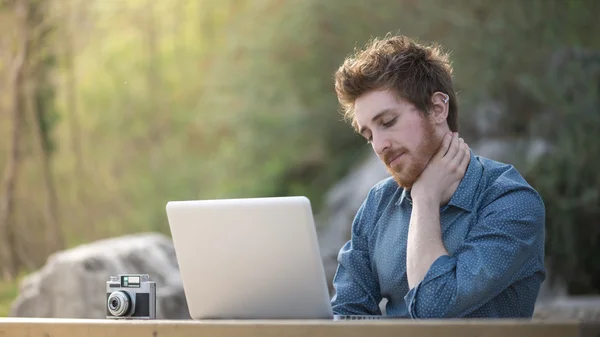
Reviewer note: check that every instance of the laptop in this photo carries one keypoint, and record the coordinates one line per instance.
(250, 258)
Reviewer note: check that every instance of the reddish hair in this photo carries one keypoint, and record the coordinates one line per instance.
(412, 71)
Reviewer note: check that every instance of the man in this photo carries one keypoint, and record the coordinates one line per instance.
(449, 234)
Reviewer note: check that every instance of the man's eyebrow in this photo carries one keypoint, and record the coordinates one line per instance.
(375, 118)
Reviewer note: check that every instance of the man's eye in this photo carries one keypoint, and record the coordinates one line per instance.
(390, 122)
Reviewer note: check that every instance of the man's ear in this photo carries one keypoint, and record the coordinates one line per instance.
(440, 107)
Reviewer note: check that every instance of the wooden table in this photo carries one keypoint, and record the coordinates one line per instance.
(50, 327)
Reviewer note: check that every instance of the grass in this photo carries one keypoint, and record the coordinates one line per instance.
(8, 293)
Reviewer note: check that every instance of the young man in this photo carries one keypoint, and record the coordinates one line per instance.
(449, 234)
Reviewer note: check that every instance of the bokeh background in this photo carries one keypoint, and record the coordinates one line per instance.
(111, 108)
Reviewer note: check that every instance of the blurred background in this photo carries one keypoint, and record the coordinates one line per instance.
(111, 108)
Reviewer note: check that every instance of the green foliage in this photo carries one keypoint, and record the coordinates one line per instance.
(45, 62)
(8, 292)
(283, 117)
(549, 83)
(569, 182)
(205, 99)
(567, 177)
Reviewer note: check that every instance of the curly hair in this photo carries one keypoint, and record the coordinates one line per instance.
(412, 71)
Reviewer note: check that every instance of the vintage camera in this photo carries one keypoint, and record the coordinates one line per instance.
(130, 296)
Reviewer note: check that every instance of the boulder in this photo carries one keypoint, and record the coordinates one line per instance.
(580, 308)
(341, 204)
(72, 284)
(519, 152)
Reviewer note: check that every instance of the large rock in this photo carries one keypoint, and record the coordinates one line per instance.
(582, 308)
(72, 284)
(519, 152)
(341, 204)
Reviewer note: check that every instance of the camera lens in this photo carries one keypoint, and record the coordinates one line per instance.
(119, 303)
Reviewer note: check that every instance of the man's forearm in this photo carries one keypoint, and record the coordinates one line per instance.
(424, 239)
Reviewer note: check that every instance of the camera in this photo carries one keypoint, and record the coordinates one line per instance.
(130, 296)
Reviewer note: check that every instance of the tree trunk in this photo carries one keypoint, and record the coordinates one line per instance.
(8, 255)
(7, 235)
(71, 95)
(38, 112)
(54, 237)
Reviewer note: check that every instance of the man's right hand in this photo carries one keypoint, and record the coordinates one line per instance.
(444, 171)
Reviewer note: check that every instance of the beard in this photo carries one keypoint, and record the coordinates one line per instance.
(414, 162)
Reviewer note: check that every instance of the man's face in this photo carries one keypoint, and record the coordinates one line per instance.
(401, 136)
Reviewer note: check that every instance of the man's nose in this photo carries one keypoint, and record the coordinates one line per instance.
(380, 144)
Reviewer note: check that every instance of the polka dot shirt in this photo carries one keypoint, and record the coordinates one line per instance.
(492, 228)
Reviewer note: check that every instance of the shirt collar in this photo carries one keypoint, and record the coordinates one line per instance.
(464, 195)
(404, 196)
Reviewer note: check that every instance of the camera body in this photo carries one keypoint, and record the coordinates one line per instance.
(130, 296)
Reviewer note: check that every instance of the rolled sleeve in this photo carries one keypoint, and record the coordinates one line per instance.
(441, 267)
(502, 248)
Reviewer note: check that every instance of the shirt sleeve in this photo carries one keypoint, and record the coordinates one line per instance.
(501, 249)
(356, 288)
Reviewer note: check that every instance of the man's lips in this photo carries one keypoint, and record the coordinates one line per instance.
(393, 159)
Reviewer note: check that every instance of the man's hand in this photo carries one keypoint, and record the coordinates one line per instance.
(444, 171)
(432, 189)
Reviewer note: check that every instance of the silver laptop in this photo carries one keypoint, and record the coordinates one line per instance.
(254, 258)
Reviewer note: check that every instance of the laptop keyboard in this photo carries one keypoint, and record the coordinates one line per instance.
(358, 317)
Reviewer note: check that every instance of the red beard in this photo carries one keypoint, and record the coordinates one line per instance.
(414, 162)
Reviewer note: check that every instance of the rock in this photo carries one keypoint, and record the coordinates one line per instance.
(72, 284)
(341, 204)
(487, 117)
(553, 289)
(584, 308)
(519, 152)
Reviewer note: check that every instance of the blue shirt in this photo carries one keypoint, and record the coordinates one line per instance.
(492, 228)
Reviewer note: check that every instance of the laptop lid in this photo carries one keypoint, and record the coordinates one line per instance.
(252, 258)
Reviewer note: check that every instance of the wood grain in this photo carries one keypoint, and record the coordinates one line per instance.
(40, 327)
